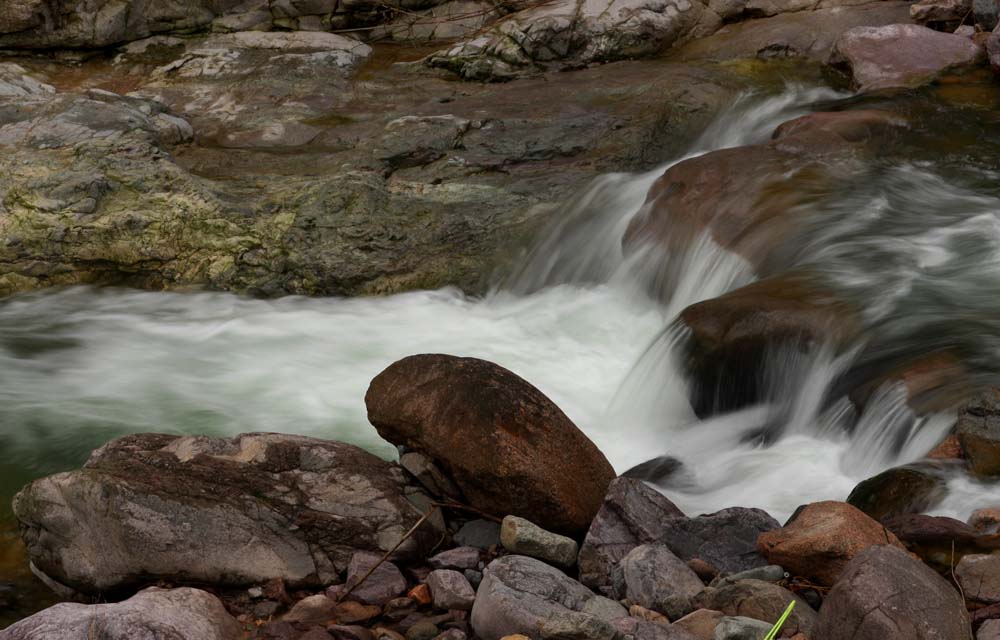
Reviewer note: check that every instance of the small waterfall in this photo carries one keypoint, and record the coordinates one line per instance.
(592, 326)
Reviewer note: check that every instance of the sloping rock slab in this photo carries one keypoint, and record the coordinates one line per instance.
(151, 614)
(902, 55)
(217, 511)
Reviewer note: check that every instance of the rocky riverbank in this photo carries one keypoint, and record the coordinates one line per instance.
(512, 525)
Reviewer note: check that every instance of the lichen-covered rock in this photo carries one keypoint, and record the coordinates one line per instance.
(885, 594)
(902, 55)
(151, 614)
(297, 508)
(508, 448)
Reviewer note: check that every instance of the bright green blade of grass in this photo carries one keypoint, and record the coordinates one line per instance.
(773, 633)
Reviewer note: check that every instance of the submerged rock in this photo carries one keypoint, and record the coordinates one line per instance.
(297, 508)
(978, 430)
(885, 594)
(902, 55)
(820, 539)
(914, 488)
(152, 613)
(506, 446)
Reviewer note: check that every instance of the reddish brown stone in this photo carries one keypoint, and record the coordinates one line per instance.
(421, 594)
(821, 538)
(509, 449)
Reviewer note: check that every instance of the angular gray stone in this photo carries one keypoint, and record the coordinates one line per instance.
(740, 628)
(450, 590)
(481, 534)
(632, 628)
(460, 558)
(385, 582)
(902, 55)
(521, 595)
(725, 539)
(525, 538)
(653, 577)
(151, 614)
(886, 594)
(632, 514)
(429, 475)
(188, 502)
(979, 575)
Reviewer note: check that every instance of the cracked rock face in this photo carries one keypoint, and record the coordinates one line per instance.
(218, 511)
(886, 594)
(576, 32)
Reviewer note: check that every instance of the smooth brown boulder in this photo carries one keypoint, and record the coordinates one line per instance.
(885, 594)
(939, 541)
(913, 488)
(902, 55)
(730, 335)
(821, 538)
(508, 448)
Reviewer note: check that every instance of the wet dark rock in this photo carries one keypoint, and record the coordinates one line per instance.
(280, 498)
(820, 539)
(978, 431)
(175, 613)
(632, 514)
(658, 470)
(508, 448)
(902, 55)
(914, 488)
(885, 594)
(481, 534)
(939, 541)
(726, 539)
(761, 601)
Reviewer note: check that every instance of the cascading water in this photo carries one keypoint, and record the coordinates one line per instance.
(580, 320)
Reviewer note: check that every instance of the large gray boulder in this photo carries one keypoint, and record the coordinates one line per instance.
(886, 594)
(902, 55)
(152, 614)
(526, 596)
(150, 507)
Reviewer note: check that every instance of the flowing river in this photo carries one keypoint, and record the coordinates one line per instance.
(917, 242)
